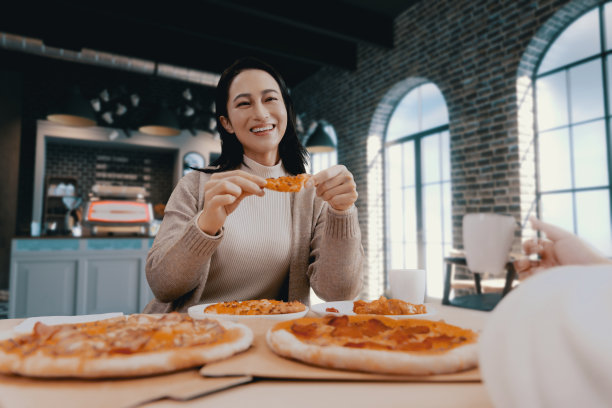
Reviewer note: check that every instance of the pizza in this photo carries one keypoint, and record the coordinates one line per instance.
(123, 346)
(376, 344)
(287, 184)
(384, 306)
(256, 307)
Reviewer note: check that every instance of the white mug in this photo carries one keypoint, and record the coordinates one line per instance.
(487, 241)
(407, 285)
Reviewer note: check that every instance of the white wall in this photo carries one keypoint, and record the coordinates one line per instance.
(203, 143)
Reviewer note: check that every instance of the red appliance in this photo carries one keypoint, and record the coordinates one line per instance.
(118, 210)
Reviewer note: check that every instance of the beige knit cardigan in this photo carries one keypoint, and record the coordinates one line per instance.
(326, 253)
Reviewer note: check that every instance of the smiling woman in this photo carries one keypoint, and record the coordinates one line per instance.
(224, 238)
(258, 119)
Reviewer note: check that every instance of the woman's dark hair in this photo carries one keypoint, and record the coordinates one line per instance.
(291, 151)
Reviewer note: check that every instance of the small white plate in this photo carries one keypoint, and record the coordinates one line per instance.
(345, 307)
(197, 312)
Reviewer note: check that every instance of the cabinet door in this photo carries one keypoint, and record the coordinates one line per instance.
(45, 288)
(113, 285)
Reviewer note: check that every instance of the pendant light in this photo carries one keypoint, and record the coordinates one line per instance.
(73, 110)
(162, 122)
(322, 139)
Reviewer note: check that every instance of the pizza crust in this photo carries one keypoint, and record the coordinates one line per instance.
(457, 359)
(39, 364)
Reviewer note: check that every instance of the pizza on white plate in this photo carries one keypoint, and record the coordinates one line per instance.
(376, 344)
(384, 306)
(256, 307)
(125, 346)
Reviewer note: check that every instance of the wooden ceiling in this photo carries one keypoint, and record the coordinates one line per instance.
(297, 37)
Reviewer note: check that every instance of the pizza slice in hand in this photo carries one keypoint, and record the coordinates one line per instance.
(287, 184)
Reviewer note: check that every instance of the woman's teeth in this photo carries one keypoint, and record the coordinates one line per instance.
(262, 129)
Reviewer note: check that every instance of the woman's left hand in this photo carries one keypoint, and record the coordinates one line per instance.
(336, 186)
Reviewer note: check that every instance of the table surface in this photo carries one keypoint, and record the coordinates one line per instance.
(298, 394)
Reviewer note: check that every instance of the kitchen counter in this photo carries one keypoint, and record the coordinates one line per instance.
(85, 237)
(69, 275)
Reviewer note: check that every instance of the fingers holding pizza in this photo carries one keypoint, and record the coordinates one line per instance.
(336, 186)
(222, 195)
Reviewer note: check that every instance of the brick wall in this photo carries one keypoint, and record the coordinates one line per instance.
(91, 164)
(481, 54)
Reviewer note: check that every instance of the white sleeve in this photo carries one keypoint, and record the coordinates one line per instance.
(548, 343)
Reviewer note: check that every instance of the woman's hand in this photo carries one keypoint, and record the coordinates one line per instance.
(223, 192)
(561, 248)
(336, 186)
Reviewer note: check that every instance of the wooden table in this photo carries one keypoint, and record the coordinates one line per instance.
(311, 394)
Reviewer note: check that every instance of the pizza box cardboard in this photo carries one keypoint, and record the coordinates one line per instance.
(259, 361)
(23, 392)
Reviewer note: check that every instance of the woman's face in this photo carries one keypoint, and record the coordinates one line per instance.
(256, 115)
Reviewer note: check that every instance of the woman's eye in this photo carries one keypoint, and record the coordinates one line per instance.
(271, 98)
(243, 103)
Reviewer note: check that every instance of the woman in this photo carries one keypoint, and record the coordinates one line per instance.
(224, 238)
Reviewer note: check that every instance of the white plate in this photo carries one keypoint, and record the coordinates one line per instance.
(197, 312)
(345, 307)
(27, 325)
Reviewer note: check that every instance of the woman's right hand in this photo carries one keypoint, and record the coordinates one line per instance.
(561, 248)
(223, 192)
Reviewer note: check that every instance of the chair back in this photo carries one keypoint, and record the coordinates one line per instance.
(487, 241)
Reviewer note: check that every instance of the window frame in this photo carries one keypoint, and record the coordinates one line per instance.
(602, 56)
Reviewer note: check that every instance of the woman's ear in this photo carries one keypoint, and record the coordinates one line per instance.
(226, 124)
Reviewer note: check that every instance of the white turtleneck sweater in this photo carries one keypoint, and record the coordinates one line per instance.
(252, 261)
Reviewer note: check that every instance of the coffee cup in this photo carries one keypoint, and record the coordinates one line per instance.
(408, 285)
(487, 241)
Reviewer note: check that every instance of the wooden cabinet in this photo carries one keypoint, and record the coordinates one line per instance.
(78, 276)
(44, 287)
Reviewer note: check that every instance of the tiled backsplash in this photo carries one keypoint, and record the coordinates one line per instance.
(92, 164)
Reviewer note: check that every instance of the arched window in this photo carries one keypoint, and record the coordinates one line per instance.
(417, 185)
(573, 111)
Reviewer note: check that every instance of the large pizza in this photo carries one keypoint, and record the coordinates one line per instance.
(376, 344)
(124, 346)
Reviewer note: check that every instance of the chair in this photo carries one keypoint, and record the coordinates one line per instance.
(487, 241)
(480, 300)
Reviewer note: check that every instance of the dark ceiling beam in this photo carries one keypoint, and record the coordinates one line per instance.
(239, 29)
(329, 17)
(203, 25)
(297, 37)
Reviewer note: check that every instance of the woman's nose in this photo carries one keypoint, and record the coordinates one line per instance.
(261, 112)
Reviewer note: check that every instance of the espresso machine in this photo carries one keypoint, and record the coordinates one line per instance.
(118, 211)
